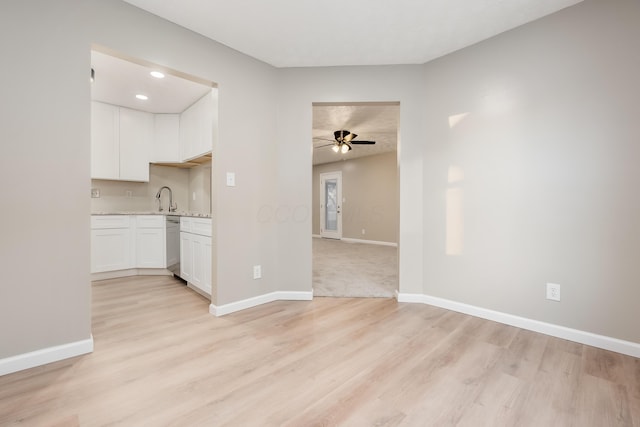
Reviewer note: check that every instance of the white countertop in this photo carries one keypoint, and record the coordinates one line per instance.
(178, 213)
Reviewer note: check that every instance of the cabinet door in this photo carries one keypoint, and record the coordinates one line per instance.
(204, 126)
(186, 256)
(206, 261)
(150, 248)
(111, 250)
(105, 151)
(188, 125)
(197, 277)
(166, 139)
(196, 128)
(136, 130)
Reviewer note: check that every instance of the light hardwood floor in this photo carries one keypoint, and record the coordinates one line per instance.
(161, 359)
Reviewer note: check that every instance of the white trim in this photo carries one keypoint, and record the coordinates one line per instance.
(221, 310)
(43, 356)
(105, 275)
(198, 290)
(582, 337)
(371, 242)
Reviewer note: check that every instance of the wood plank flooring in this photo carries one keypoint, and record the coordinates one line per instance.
(161, 360)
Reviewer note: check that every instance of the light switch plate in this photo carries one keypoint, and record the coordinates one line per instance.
(257, 272)
(231, 179)
(95, 193)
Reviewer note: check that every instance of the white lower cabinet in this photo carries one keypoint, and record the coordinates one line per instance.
(110, 250)
(186, 256)
(111, 244)
(122, 242)
(195, 252)
(150, 241)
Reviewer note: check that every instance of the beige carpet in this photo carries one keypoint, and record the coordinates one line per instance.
(342, 269)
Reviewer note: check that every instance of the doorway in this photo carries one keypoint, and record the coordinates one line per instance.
(355, 193)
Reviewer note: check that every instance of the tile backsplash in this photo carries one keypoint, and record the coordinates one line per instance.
(118, 196)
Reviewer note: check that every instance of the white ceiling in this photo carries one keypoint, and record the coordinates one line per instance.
(118, 81)
(371, 122)
(303, 33)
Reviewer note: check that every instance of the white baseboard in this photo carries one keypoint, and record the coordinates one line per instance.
(46, 355)
(199, 290)
(575, 335)
(221, 310)
(105, 275)
(370, 242)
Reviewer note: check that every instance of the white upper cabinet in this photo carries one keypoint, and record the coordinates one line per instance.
(120, 143)
(105, 141)
(196, 128)
(136, 133)
(166, 141)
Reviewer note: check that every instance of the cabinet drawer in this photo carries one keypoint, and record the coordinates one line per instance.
(201, 226)
(186, 224)
(99, 222)
(149, 221)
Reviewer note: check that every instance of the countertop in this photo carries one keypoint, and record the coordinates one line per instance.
(178, 213)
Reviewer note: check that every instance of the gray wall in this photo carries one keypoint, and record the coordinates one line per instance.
(549, 152)
(539, 178)
(370, 193)
(298, 89)
(45, 289)
(44, 125)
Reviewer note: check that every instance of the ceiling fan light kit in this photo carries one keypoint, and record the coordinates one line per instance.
(343, 141)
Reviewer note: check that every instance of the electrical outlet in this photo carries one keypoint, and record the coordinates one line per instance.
(257, 272)
(363, 231)
(553, 292)
(129, 193)
(194, 195)
(95, 193)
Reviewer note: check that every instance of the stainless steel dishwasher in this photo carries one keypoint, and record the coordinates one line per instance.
(173, 244)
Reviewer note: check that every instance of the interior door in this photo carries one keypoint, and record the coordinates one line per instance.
(331, 205)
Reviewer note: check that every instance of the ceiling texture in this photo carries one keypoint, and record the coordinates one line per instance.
(307, 33)
(371, 122)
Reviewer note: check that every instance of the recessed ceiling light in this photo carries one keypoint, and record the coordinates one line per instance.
(157, 74)
(142, 97)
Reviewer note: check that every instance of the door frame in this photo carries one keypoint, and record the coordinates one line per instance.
(337, 175)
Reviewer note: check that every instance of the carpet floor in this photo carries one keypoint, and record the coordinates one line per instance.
(342, 269)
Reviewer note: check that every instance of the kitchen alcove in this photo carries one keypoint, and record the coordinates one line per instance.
(164, 137)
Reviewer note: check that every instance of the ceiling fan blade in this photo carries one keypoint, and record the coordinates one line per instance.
(325, 145)
(363, 142)
(323, 139)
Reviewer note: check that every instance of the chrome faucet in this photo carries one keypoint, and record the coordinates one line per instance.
(172, 207)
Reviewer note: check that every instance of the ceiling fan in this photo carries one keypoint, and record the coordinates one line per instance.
(343, 141)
